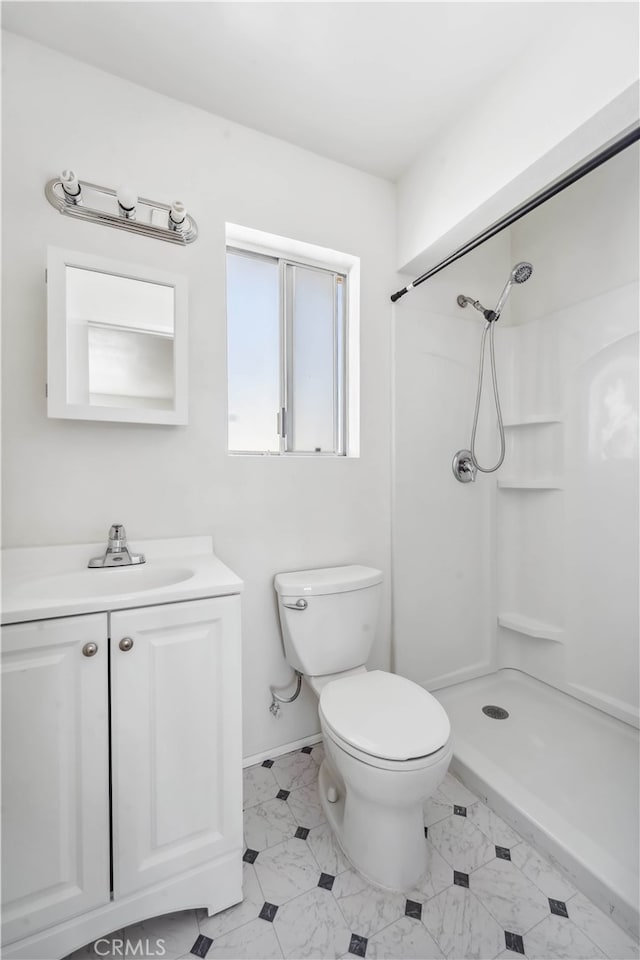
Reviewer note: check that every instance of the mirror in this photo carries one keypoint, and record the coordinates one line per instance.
(117, 340)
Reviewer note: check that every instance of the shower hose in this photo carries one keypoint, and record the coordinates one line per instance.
(489, 327)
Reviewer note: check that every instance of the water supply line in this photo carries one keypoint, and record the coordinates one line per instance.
(276, 699)
(489, 327)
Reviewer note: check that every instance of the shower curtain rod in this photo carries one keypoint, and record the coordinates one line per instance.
(538, 198)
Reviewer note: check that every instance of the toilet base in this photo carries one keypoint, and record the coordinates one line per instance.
(377, 819)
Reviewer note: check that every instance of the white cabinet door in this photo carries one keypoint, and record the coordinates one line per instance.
(176, 739)
(55, 772)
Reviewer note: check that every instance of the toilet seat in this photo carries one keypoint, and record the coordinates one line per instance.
(399, 766)
(384, 719)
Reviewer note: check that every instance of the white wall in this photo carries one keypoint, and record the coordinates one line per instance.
(443, 602)
(66, 481)
(550, 109)
(569, 557)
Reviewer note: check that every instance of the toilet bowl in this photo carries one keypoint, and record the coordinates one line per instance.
(387, 740)
(387, 744)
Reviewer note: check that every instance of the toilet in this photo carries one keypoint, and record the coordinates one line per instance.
(387, 740)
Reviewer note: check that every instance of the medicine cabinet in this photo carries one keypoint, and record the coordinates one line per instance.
(117, 340)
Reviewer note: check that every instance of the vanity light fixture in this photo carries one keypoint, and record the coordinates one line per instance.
(121, 209)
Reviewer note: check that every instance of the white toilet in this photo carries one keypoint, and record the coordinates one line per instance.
(386, 739)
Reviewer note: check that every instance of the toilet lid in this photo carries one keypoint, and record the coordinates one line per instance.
(385, 715)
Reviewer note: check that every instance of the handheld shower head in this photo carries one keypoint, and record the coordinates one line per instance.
(520, 274)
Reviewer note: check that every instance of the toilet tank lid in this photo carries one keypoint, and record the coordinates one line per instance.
(306, 583)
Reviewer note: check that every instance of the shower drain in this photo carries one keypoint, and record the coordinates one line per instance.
(496, 713)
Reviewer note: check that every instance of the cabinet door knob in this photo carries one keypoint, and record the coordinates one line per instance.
(90, 649)
(126, 643)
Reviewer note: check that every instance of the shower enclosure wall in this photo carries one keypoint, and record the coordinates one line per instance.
(535, 568)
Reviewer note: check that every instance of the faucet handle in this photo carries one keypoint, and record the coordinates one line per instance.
(117, 553)
(117, 533)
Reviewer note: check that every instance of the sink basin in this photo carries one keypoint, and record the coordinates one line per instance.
(44, 582)
(101, 582)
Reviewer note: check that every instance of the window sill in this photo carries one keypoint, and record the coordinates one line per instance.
(268, 455)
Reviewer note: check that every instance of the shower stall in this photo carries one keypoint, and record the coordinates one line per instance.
(520, 591)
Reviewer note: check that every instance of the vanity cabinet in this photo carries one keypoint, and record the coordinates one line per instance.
(121, 771)
(55, 772)
(174, 692)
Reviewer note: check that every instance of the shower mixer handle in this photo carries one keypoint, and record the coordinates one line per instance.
(463, 466)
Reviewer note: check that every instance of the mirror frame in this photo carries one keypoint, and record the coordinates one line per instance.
(58, 405)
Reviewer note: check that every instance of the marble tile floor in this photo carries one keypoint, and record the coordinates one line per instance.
(487, 893)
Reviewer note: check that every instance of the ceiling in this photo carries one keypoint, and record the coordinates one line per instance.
(365, 83)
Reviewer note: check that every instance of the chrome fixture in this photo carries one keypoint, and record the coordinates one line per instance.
(126, 644)
(519, 274)
(300, 604)
(276, 699)
(464, 469)
(121, 209)
(496, 713)
(117, 553)
(487, 314)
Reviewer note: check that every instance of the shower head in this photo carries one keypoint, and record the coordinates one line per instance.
(520, 274)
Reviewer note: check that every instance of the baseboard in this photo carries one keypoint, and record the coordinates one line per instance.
(282, 748)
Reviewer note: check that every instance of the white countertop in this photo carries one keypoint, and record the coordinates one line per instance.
(43, 582)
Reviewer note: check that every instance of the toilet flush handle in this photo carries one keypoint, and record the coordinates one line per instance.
(300, 604)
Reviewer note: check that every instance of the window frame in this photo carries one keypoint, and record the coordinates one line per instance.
(341, 364)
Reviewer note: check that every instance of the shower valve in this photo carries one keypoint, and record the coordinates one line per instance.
(464, 469)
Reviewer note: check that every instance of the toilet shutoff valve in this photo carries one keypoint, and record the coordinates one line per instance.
(274, 709)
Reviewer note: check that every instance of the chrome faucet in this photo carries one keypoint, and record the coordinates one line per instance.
(117, 553)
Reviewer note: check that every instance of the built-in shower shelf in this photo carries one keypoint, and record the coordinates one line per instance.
(530, 627)
(532, 420)
(525, 484)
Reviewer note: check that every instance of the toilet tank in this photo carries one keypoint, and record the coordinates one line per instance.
(328, 617)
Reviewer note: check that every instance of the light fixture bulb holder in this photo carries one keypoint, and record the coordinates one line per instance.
(127, 200)
(177, 215)
(70, 186)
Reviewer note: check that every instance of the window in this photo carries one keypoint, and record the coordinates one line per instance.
(287, 354)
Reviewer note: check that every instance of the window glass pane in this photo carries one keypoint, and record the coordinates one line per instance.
(253, 345)
(312, 360)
